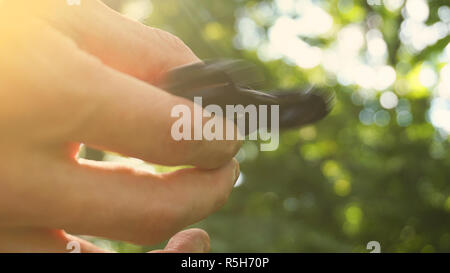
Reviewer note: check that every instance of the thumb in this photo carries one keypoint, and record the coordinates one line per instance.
(188, 241)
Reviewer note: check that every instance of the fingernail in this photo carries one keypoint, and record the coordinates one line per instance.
(237, 170)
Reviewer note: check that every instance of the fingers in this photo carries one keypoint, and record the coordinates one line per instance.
(136, 119)
(120, 203)
(125, 45)
(188, 241)
(100, 106)
(92, 103)
(41, 240)
(133, 118)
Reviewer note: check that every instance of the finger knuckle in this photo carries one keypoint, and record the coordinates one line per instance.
(169, 38)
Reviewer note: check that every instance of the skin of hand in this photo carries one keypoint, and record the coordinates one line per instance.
(86, 74)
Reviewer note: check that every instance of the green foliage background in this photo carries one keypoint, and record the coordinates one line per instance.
(336, 185)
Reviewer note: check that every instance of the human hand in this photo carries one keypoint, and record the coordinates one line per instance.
(84, 74)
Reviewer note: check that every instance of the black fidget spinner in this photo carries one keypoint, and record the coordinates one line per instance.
(224, 83)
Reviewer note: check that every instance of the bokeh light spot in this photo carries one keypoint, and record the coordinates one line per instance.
(342, 187)
(388, 100)
(382, 118)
